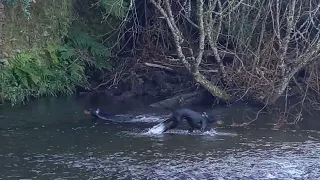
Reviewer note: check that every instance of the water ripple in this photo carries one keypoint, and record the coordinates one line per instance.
(283, 161)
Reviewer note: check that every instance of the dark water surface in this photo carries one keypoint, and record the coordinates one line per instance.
(51, 139)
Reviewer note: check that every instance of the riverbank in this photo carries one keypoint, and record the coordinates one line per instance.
(54, 109)
(90, 48)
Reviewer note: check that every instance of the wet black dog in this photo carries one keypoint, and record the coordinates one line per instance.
(194, 119)
(97, 114)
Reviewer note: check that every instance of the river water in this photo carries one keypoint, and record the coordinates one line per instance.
(52, 139)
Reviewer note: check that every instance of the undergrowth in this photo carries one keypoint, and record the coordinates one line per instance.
(25, 5)
(53, 70)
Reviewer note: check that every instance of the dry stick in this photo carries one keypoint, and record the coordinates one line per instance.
(298, 118)
(314, 76)
(285, 75)
(121, 25)
(255, 22)
(159, 66)
(257, 57)
(202, 35)
(175, 31)
(209, 31)
(232, 8)
(257, 115)
(311, 53)
(307, 57)
(114, 79)
(209, 71)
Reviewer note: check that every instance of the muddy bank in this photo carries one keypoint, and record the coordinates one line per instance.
(175, 87)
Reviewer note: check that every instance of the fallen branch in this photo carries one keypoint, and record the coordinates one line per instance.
(210, 70)
(159, 66)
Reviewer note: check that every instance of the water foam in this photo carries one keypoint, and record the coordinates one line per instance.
(211, 132)
(147, 118)
(159, 128)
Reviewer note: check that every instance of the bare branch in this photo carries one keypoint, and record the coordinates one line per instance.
(202, 35)
(177, 35)
(159, 66)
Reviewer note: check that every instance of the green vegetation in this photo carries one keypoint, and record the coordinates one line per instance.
(50, 54)
(49, 21)
(52, 70)
(25, 5)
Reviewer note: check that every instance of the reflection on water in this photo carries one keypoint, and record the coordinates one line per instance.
(68, 146)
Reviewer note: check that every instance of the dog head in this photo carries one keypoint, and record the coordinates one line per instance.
(212, 118)
(87, 112)
(91, 112)
(219, 122)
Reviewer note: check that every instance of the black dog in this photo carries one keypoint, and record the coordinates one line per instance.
(194, 119)
(97, 114)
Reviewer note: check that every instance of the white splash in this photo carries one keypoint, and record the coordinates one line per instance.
(157, 129)
(147, 118)
(219, 133)
(211, 132)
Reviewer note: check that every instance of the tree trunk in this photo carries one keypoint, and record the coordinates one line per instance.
(214, 90)
(279, 91)
(285, 80)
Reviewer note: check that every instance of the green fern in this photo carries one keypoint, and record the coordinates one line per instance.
(83, 41)
(67, 52)
(25, 78)
(53, 70)
(26, 70)
(51, 49)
